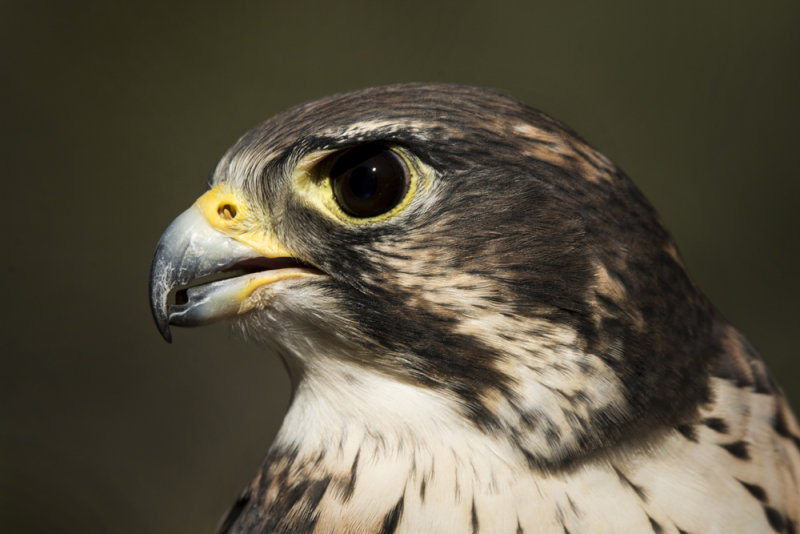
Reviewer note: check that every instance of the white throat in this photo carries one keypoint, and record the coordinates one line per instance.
(341, 405)
(384, 442)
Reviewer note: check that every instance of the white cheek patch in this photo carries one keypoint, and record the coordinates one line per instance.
(556, 387)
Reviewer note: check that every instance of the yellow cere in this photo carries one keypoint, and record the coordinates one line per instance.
(227, 212)
(312, 184)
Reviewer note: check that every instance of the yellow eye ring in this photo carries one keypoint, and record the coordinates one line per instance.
(352, 185)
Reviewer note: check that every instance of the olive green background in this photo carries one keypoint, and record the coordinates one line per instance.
(114, 114)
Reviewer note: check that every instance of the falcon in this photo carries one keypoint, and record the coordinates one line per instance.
(486, 326)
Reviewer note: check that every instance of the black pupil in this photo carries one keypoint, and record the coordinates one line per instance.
(369, 180)
(363, 181)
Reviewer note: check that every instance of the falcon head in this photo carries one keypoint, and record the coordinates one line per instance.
(453, 245)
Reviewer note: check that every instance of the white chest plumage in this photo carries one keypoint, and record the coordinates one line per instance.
(407, 463)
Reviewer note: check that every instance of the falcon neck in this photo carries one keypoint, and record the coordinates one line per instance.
(344, 407)
(363, 447)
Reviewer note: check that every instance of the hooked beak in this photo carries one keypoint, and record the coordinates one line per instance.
(212, 258)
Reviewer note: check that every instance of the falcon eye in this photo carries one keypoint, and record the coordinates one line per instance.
(369, 180)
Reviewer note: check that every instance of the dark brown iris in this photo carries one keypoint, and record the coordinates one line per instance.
(369, 180)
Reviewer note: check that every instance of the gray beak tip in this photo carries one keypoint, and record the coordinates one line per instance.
(159, 290)
(158, 306)
(164, 330)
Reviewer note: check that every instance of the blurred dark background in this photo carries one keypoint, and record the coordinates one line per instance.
(114, 114)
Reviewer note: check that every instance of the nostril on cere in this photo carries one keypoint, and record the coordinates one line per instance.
(227, 211)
